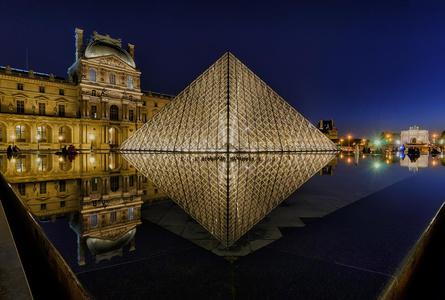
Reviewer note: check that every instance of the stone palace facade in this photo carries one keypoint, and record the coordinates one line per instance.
(99, 105)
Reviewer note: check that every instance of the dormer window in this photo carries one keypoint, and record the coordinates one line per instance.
(130, 82)
(92, 75)
(112, 78)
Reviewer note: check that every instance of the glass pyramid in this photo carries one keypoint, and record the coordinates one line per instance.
(228, 193)
(228, 109)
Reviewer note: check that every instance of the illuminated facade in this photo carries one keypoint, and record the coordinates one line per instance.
(228, 193)
(98, 106)
(228, 109)
(414, 136)
(100, 193)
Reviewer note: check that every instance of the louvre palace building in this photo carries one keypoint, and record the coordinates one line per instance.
(97, 106)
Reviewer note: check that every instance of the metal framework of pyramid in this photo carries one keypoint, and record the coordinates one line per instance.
(228, 193)
(228, 109)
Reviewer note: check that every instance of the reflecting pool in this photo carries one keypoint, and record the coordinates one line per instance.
(158, 225)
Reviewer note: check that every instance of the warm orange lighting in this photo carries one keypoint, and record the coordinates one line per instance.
(349, 136)
(349, 160)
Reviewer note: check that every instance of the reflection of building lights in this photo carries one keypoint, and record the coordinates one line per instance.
(348, 160)
(376, 165)
(341, 156)
(434, 163)
(363, 156)
(388, 161)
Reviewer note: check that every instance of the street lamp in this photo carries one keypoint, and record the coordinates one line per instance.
(434, 137)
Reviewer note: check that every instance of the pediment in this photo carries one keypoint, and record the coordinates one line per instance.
(112, 61)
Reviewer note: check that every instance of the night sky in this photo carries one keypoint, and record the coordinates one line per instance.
(370, 67)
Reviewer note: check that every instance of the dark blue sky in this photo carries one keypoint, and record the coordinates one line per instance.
(370, 66)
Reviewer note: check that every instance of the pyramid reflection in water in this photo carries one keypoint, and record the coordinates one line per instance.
(228, 193)
(228, 109)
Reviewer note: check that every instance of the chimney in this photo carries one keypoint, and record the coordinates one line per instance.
(79, 42)
(131, 50)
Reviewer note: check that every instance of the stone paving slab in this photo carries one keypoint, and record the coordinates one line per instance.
(13, 282)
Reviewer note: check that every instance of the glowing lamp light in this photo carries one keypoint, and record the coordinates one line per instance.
(60, 138)
(92, 159)
(398, 142)
(91, 137)
(377, 142)
(12, 137)
(376, 165)
(441, 141)
(61, 159)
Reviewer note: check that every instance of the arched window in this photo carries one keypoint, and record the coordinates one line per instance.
(130, 82)
(112, 78)
(114, 113)
(92, 75)
(41, 134)
(20, 133)
(64, 134)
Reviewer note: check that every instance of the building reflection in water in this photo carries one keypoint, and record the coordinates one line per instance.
(99, 192)
(228, 193)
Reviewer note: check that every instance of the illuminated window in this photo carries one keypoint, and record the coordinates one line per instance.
(92, 75)
(41, 133)
(42, 163)
(42, 109)
(130, 82)
(93, 111)
(20, 133)
(20, 165)
(20, 106)
(130, 213)
(93, 220)
(112, 78)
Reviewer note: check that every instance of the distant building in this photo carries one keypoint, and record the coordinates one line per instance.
(414, 136)
(328, 128)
